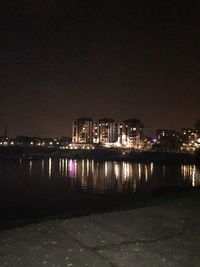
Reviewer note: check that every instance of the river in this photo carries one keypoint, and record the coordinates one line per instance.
(50, 186)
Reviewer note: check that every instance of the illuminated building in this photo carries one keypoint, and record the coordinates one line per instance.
(121, 135)
(132, 133)
(147, 143)
(189, 134)
(82, 131)
(95, 133)
(163, 134)
(169, 140)
(107, 131)
(191, 139)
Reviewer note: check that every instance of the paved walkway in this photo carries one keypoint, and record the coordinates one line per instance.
(165, 235)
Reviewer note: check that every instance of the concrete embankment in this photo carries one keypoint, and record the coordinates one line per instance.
(159, 236)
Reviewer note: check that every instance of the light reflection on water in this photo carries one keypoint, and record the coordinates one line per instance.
(118, 176)
(52, 185)
(43, 166)
(50, 168)
(30, 167)
(103, 177)
(190, 172)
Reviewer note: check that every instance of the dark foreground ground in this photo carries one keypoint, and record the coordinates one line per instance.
(164, 234)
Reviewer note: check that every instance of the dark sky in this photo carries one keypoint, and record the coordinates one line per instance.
(60, 60)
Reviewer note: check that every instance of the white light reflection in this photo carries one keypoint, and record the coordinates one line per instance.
(50, 168)
(83, 168)
(87, 167)
(128, 170)
(43, 166)
(65, 167)
(190, 172)
(124, 169)
(146, 173)
(116, 169)
(30, 167)
(151, 168)
(106, 169)
(139, 171)
(72, 168)
(75, 168)
(183, 171)
(193, 175)
(92, 167)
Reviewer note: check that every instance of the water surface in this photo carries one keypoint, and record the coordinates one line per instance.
(40, 187)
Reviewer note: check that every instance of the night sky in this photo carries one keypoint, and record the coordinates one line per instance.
(60, 60)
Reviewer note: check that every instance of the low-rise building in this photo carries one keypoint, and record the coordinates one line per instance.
(189, 134)
(169, 140)
(191, 139)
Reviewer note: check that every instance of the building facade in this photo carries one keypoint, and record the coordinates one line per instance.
(170, 140)
(132, 133)
(108, 132)
(191, 139)
(82, 130)
(189, 135)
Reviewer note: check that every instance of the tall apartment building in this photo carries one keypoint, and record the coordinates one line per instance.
(132, 133)
(107, 131)
(95, 133)
(121, 134)
(82, 130)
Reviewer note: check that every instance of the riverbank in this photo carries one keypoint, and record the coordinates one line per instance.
(165, 234)
(102, 154)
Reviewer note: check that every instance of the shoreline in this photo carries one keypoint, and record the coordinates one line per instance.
(102, 154)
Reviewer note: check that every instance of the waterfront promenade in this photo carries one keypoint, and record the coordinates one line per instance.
(166, 234)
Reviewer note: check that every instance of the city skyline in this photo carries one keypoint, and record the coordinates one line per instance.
(90, 134)
(4, 132)
(61, 61)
